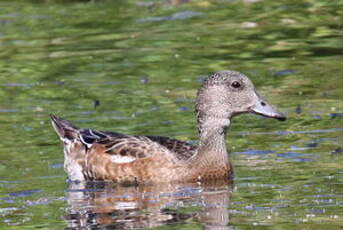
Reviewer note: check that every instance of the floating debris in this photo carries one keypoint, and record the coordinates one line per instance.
(96, 103)
(298, 109)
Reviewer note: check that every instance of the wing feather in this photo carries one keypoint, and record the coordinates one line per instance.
(124, 148)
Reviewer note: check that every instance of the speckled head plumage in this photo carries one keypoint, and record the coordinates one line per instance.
(225, 94)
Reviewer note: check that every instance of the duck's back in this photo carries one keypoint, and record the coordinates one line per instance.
(181, 149)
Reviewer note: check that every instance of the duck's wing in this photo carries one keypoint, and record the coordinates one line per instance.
(90, 136)
(121, 148)
(129, 148)
(181, 149)
(126, 149)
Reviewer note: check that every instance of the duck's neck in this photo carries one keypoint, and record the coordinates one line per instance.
(212, 148)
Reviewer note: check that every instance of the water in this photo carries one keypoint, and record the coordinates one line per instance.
(134, 67)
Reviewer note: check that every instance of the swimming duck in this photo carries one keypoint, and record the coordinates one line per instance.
(102, 155)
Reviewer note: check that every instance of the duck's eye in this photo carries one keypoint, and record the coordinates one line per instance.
(236, 84)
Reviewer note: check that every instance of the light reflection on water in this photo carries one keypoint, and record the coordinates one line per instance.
(100, 205)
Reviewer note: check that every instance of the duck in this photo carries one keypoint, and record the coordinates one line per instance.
(91, 154)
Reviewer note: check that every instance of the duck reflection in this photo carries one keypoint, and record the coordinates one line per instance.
(99, 205)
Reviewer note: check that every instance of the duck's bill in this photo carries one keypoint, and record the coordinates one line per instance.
(263, 108)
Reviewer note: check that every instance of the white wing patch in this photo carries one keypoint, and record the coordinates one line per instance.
(125, 205)
(84, 142)
(122, 159)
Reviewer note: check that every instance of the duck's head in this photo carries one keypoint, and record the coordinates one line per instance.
(225, 94)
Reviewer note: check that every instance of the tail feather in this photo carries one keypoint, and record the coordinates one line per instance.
(64, 128)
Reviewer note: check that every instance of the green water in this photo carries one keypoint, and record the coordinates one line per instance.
(143, 61)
